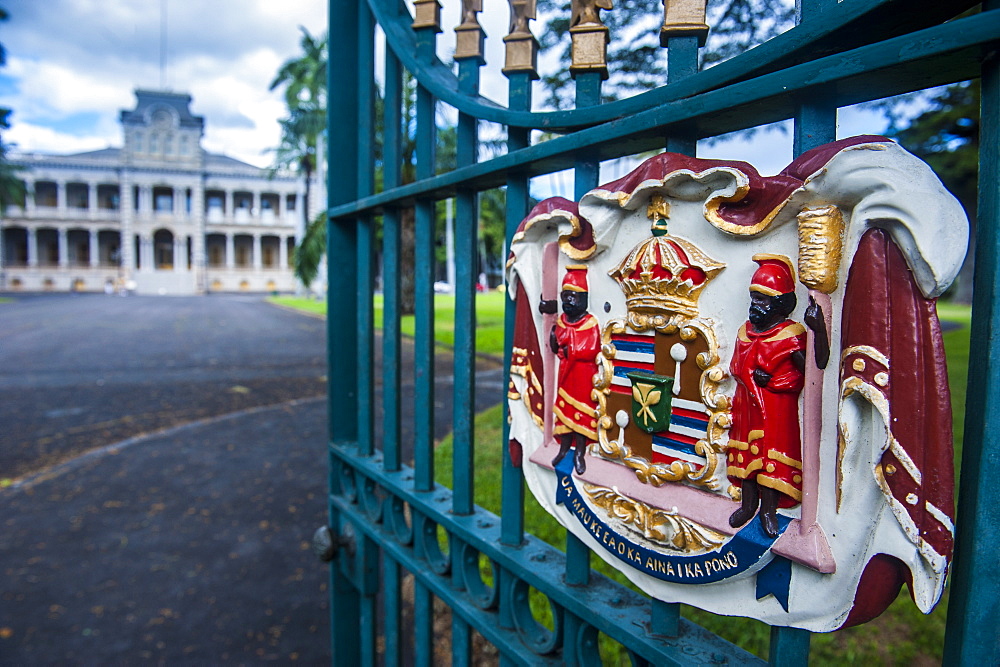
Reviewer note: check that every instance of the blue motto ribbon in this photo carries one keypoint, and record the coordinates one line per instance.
(741, 552)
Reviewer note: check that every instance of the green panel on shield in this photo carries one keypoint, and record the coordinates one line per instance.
(651, 396)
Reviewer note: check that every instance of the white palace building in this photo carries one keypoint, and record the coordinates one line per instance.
(160, 215)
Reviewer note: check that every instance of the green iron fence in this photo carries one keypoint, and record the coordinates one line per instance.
(386, 515)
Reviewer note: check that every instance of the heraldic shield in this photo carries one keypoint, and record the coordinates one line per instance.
(710, 369)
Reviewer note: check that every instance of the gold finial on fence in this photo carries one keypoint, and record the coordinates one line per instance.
(469, 34)
(522, 47)
(427, 14)
(684, 18)
(590, 37)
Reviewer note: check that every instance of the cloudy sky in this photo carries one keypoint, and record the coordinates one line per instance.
(72, 65)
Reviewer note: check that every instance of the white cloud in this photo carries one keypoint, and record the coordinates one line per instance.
(35, 138)
(53, 91)
(73, 57)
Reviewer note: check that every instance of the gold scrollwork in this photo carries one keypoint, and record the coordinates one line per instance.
(710, 388)
(668, 529)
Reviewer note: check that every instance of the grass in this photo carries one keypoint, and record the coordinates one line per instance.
(901, 636)
(489, 318)
(303, 303)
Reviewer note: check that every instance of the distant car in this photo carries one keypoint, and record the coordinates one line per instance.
(442, 287)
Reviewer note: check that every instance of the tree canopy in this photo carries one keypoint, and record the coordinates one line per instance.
(636, 61)
(11, 186)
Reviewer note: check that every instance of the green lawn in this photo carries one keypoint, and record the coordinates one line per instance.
(489, 318)
(901, 636)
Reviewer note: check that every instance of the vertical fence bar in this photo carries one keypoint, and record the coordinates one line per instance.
(682, 62)
(789, 647)
(466, 234)
(423, 412)
(971, 637)
(391, 352)
(512, 501)
(466, 256)
(815, 124)
(586, 173)
(368, 553)
(517, 202)
(391, 178)
(366, 232)
(342, 184)
(392, 611)
(424, 281)
(423, 619)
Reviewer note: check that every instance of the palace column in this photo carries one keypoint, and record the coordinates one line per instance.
(282, 252)
(29, 197)
(95, 249)
(180, 259)
(61, 198)
(230, 251)
(258, 263)
(92, 200)
(32, 246)
(198, 259)
(63, 248)
(126, 212)
(146, 248)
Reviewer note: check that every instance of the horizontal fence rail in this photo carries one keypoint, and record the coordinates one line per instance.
(406, 540)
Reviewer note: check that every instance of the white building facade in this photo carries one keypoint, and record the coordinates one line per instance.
(158, 216)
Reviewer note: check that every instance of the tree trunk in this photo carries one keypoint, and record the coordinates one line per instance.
(407, 242)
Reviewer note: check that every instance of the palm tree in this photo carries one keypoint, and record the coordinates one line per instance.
(304, 79)
(11, 186)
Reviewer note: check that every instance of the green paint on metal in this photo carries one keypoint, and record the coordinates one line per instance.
(789, 647)
(841, 53)
(974, 604)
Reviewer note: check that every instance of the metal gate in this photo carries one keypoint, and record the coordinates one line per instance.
(387, 516)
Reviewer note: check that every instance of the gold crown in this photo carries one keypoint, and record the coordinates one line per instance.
(665, 274)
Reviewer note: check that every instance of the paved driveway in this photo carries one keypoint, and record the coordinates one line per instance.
(161, 470)
(82, 371)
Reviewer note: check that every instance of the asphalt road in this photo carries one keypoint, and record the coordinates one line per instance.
(82, 371)
(162, 467)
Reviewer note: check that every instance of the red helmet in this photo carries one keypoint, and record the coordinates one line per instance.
(575, 279)
(774, 277)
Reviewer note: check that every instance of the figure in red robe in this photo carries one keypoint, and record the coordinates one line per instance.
(576, 340)
(765, 449)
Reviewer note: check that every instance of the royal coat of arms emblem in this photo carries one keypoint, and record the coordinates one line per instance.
(732, 387)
